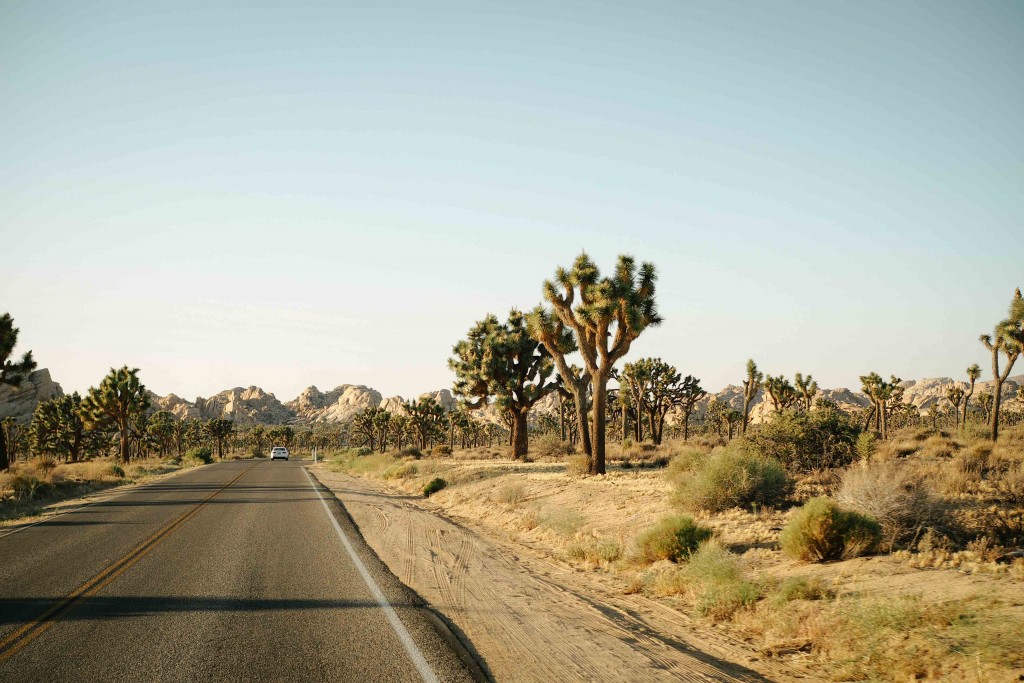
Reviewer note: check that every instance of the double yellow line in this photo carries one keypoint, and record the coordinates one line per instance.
(13, 643)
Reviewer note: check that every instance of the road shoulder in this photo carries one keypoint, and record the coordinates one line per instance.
(528, 618)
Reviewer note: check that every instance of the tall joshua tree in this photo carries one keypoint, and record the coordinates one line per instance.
(973, 373)
(12, 373)
(808, 389)
(750, 388)
(881, 393)
(220, 430)
(955, 394)
(607, 315)
(689, 394)
(116, 404)
(780, 391)
(1007, 338)
(504, 361)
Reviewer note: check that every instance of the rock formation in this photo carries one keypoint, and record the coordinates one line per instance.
(20, 402)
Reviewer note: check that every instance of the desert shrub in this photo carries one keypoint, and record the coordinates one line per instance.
(441, 449)
(550, 446)
(201, 455)
(1009, 485)
(433, 486)
(26, 486)
(595, 550)
(400, 471)
(807, 441)
(411, 452)
(362, 451)
(821, 531)
(562, 521)
(686, 461)
(44, 465)
(801, 588)
(577, 465)
(511, 493)
(865, 445)
(647, 447)
(673, 538)
(888, 492)
(734, 477)
(114, 470)
(718, 582)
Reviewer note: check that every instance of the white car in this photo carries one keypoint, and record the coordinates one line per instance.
(279, 452)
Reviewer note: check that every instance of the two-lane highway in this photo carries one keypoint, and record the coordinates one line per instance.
(240, 571)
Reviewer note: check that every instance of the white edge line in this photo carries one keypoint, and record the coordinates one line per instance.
(396, 624)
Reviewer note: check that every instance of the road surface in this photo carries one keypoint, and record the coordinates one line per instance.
(238, 571)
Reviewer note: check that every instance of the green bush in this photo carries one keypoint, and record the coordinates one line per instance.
(734, 477)
(718, 582)
(434, 486)
(411, 452)
(805, 442)
(400, 471)
(821, 531)
(687, 461)
(442, 449)
(673, 538)
(117, 471)
(202, 454)
(363, 451)
(27, 486)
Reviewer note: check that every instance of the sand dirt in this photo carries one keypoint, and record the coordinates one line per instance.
(530, 617)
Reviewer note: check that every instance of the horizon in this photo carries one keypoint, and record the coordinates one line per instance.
(329, 195)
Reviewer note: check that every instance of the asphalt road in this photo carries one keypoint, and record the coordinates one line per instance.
(239, 571)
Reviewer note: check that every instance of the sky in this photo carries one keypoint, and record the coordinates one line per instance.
(286, 194)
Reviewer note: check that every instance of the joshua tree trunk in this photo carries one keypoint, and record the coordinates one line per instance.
(520, 436)
(125, 445)
(5, 463)
(997, 391)
(597, 413)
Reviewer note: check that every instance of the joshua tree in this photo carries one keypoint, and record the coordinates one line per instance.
(116, 404)
(370, 426)
(607, 315)
(57, 429)
(426, 417)
(1020, 393)
(955, 394)
(808, 388)
(750, 388)
(257, 437)
(881, 394)
(985, 402)
(780, 391)
(398, 429)
(504, 361)
(220, 429)
(717, 415)
(733, 417)
(1008, 338)
(12, 373)
(973, 373)
(282, 435)
(161, 428)
(690, 393)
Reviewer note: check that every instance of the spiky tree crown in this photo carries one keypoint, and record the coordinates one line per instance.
(505, 361)
(606, 313)
(974, 372)
(120, 396)
(11, 372)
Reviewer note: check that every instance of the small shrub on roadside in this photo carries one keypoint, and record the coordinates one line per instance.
(362, 451)
(687, 461)
(433, 486)
(804, 442)
(511, 493)
(26, 486)
(200, 455)
(890, 494)
(734, 477)
(400, 471)
(715, 581)
(801, 588)
(411, 452)
(442, 449)
(577, 465)
(115, 471)
(821, 531)
(563, 522)
(595, 550)
(673, 538)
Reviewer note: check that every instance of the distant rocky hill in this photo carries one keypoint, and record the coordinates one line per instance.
(253, 405)
(19, 402)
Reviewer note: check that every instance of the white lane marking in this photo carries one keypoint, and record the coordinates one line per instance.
(396, 624)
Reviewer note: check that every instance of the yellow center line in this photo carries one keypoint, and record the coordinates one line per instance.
(35, 628)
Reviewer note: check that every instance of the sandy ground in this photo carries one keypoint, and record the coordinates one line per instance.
(527, 615)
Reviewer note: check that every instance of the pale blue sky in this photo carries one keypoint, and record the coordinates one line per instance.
(285, 194)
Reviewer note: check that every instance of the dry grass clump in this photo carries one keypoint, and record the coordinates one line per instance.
(685, 461)
(734, 477)
(550, 446)
(891, 494)
(402, 470)
(510, 493)
(821, 531)
(674, 538)
(714, 581)
(577, 465)
(595, 550)
(562, 521)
